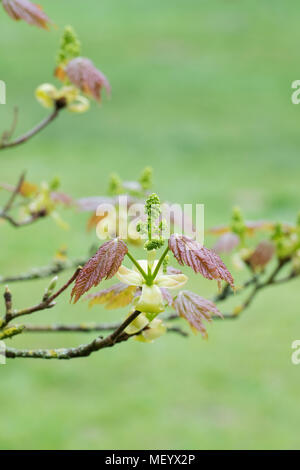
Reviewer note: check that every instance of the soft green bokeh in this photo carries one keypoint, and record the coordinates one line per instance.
(202, 92)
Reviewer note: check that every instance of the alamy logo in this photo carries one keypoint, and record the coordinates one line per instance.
(296, 94)
(2, 92)
(296, 354)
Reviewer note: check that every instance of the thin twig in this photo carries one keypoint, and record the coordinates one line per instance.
(72, 327)
(30, 220)
(45, 271)
(14, 194)
(227, 291)
(85, 328)
(59, 104)
(176, 329)
(270, 281)
(6, 136)
(46, 303)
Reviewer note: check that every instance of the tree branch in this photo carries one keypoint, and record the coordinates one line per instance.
(6, 136)
(4, 213)
(14, 194)
(45, 304)
(45, 271)
(85, 328)
(59, 105)
(82, 350)
(30, 220)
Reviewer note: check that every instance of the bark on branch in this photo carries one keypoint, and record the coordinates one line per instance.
(6, 143)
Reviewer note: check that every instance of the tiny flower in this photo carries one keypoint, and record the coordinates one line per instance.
(151, 299)
(149, 330)
(47, 95)
(137, 325)
(153, 331)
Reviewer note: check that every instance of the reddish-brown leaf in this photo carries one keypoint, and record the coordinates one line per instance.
(83, 74)
(104, 264)
(116, 296)
(89, 204)
(27, 11)
(262, 254)
(167, 296)
(63, 198)
(171, 270)
(251, 227)
(195, 310)
(226, 243)
(200, 259)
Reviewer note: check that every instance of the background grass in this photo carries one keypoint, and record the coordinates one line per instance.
(201, 92)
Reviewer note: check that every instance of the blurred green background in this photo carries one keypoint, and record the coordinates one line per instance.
(202, 93)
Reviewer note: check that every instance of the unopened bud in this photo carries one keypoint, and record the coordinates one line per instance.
(49, 290)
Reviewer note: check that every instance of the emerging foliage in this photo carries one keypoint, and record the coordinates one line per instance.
(85, 76)
(200, 259)
(226, 243)
(27, 11)
(262, 254)
(195, 310)
(116, 296)
(104, 264)
(70, 46)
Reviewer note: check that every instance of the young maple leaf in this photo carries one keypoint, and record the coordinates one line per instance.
(200, 259)
(116, 296)
(84, 75)
(251, 227)
(27, 11)
(226, 243)
(104, 264)
(262, 254)
(28, 189)
(62, 198)
(168, 298)
(195, 310)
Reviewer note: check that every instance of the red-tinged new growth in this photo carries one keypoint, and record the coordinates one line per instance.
(226, 243)
(27, 11)
(85, 76)
(195, 310)
(116, 296)
(104, 264)
(200, 259)
(262, 254)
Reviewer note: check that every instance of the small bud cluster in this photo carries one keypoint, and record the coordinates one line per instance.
(70, 46)
(238, 225)
(136, 188)
(146, 178)
(154, 227)
(115, 186)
